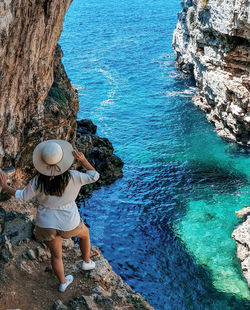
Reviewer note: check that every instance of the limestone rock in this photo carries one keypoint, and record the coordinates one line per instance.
(211, 41)
(6, 251)
(243, 212)
(245, 269)
(100, 291)
(68, 243)
(78, 303)
(15, 228)
(99, 152)
(61, 105)
(242, 251)
(25, 267)
(29, 31)
(31, 254)
(58, 305)
(42, 254)
(18, 227)
(241, 235)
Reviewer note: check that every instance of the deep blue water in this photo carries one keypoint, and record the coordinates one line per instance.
(166, 226)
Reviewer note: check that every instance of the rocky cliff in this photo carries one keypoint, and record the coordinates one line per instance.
(211, 41)
(29, 31)
(37, 100)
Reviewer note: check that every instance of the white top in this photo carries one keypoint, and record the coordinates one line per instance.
(58, 212)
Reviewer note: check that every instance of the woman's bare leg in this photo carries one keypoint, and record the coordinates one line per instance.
(85, 244)
(55, 247)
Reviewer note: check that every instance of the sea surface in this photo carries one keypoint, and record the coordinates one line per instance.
(166, 226)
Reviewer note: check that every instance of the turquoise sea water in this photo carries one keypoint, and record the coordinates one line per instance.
(166, 225)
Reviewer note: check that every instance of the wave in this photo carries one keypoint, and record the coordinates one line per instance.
(189, 92)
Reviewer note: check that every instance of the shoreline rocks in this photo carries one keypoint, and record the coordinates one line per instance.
(99, 152)
(241, 235)
(211, 42)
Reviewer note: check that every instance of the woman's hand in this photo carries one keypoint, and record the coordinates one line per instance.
(79, 155)
(3, 178)
(3, 182)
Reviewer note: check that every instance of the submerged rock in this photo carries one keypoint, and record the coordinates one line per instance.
(211, 42)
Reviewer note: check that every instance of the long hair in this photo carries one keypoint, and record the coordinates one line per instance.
(53, 186)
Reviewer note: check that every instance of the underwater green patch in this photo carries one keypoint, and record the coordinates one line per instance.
(206, 230)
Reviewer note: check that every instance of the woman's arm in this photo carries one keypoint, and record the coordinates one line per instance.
(80, 156)
(3, 182)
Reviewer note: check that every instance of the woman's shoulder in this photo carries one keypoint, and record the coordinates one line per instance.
(33, 181)
(74, 172)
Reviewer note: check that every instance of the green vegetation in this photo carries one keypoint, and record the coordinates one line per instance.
(58, 94)
(135, 301)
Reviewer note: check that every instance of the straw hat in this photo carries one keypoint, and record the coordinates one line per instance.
(53, 157)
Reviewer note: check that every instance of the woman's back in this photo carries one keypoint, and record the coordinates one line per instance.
(76, 181)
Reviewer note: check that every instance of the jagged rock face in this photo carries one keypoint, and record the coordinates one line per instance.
(211, 41)
(42, 103)
(61, 105)
(59, 117)
(29, 31)
(99, 152)
(242, 238)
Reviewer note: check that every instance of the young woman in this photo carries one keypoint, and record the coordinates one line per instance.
(56, 188)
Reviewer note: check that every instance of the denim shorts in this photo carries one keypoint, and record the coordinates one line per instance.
(48, 234)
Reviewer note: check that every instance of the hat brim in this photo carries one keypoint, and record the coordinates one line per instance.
(64, 164)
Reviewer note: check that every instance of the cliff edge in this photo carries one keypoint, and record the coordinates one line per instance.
(211, 42)
(27, 281)
(38, 102)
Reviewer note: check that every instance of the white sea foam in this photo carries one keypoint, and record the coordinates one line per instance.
(79, 87)
(113, 83)
(189, 92)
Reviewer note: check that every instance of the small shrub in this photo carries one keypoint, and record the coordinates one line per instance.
(137, 303)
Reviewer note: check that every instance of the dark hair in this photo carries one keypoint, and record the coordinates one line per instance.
(53, 186)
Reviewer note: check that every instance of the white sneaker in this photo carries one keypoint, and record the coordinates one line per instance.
(88, 266)
(69, 279)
